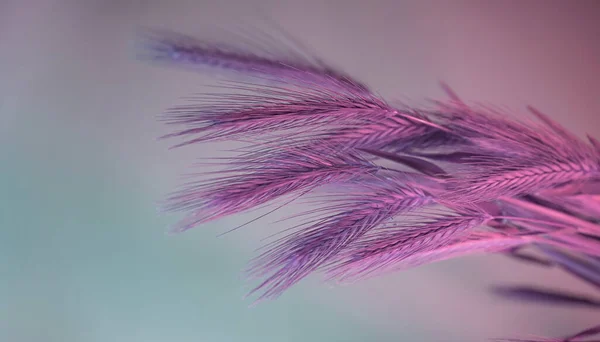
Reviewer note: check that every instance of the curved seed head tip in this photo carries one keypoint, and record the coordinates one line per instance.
(274, 66)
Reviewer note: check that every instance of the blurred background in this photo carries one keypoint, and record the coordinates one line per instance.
(84, 256)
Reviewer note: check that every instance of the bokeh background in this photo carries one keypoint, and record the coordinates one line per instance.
(83, 253)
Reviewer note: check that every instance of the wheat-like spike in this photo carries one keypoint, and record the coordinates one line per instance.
(262, 181)
(508, 180)
(184, 50)
(294, 257)
(387, 247)
(258, 110)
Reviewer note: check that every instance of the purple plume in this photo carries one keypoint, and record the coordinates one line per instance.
(398, 187)
(369, 205)
(383, 249)
(251, 182)
(270, 63)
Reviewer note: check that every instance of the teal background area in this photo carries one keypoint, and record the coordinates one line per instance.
(83, 252)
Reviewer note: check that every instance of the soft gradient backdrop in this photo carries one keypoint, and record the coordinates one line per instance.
(83, 254)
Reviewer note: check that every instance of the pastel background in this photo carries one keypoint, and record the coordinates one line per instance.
(83, 254)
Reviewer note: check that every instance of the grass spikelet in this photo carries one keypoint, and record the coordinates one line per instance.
(249, 183)
(288, 65)
(369, 205)
(385, 248)
(256, 110)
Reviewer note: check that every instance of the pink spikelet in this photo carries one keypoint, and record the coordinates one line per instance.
(261, 110)
(393, 244)
(372, 203)
(396, 187)
(523, 158)
(251, 182)
(271, 63)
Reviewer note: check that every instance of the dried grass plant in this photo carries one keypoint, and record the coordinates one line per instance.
(460, 178)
